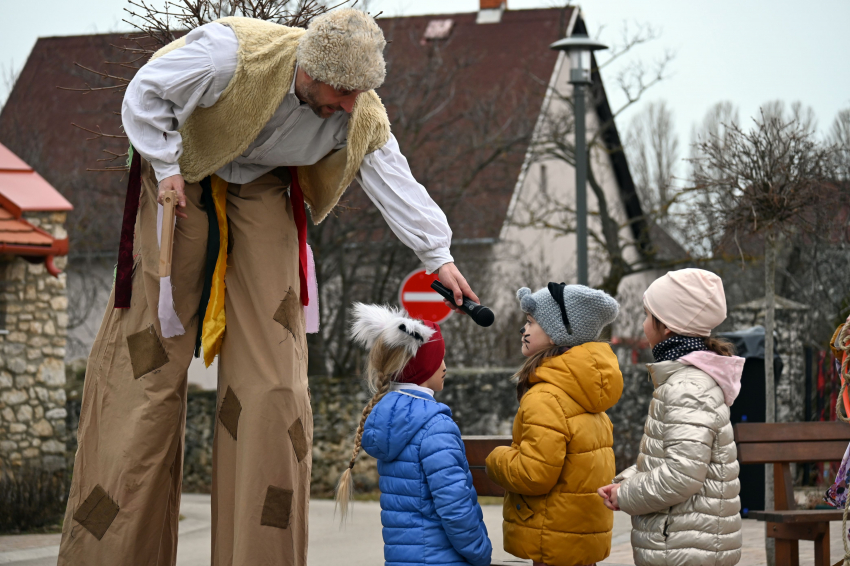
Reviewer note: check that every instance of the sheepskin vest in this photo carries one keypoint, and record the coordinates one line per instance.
(215, 136)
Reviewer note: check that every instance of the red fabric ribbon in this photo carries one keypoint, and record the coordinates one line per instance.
(296, 197)
(124, 271)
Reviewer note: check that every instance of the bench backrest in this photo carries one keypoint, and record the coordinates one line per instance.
(770, 443)
(477, 450)
(783, 443)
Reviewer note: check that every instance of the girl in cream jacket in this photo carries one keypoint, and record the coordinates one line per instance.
(683, 492)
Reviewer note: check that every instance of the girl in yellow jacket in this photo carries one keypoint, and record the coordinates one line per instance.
(562, 439)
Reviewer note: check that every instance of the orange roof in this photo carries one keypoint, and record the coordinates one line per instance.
(23, 190)
(11, 162)
(19, 237)
(20, 232)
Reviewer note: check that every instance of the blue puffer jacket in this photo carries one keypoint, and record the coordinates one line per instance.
(429, 508)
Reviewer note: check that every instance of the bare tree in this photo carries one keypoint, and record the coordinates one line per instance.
(795, 112)
(839, 135)
(8, 78)
(772, 180)
(698, 229)
(720, 116)
(652, 147)
(159, 22)
(612, 236)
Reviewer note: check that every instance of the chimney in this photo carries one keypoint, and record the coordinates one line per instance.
(490, 11)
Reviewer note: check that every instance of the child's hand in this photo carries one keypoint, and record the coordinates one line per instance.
(609, 494)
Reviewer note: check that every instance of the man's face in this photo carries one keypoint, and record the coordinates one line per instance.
(323, 99)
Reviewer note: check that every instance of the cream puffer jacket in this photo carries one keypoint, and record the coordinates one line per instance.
(683, 491)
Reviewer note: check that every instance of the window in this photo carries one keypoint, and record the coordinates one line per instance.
(437, 29)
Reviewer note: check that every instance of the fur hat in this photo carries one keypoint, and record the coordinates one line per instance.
(421, 339)
(585, 312)
(344, 48)
(390, 325)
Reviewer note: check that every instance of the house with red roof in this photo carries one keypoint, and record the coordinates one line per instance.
(33, 318)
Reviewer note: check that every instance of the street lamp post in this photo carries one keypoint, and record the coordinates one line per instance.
(579, 47)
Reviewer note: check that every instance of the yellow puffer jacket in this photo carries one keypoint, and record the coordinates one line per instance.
(560, 455)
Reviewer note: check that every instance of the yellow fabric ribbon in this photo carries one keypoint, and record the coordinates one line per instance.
(213, 329)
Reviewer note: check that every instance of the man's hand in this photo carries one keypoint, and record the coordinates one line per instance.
(609, 494)
(174, 183)
(452, 278)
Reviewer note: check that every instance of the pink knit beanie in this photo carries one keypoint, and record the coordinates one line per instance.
(689, 302)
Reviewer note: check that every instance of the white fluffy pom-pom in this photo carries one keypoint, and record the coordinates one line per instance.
(392, 325)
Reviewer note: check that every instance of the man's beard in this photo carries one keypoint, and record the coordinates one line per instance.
(308, 96)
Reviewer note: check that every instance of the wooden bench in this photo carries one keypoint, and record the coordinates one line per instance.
(477, 450)
(781, 444)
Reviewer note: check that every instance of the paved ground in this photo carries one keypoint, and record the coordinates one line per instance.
(358, 543)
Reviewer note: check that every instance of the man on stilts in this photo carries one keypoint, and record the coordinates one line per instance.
(246, 120)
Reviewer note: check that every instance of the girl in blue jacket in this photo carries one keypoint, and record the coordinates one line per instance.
(429, 509)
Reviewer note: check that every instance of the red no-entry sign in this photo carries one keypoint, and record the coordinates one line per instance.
(419, 300)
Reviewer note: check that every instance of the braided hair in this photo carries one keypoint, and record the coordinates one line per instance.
(393, 340)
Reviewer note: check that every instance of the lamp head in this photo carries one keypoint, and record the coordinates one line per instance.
(579, 47)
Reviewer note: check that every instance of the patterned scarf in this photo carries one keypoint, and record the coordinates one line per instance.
(677, 346)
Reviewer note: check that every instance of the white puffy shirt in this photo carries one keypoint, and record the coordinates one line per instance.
(167, 90)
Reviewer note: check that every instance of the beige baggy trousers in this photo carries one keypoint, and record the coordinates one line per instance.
(123, 507)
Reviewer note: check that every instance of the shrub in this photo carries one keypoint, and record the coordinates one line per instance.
(32, 498)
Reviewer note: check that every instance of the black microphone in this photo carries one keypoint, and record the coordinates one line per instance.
(480, 314)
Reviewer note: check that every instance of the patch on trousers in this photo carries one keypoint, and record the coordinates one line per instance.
(277, 508)
(97, 512)
(146, 352)
(229, 412)
(299, 439)
(288, 312)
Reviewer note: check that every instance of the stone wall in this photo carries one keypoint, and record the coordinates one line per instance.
(791, 337)
(483, 402)
(629, 415)
(32, 353)
(200, 428)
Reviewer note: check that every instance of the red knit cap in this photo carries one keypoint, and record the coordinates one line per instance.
(427, 359)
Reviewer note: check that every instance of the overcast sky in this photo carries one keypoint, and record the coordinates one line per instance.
(746, 51)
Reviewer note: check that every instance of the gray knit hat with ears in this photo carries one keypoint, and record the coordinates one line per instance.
(587, 311)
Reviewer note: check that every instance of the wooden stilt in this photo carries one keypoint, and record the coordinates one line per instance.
(169, 201)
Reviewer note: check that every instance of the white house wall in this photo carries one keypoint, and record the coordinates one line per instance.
(541, 255)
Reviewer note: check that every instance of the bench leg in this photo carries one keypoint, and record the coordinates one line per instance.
(822, 549)
(787, 552)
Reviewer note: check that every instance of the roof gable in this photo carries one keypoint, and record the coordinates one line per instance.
(24, 190)
(466, 132)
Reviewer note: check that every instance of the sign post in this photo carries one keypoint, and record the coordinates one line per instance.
(419, 300)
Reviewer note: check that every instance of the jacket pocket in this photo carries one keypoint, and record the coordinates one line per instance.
(523, 511)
